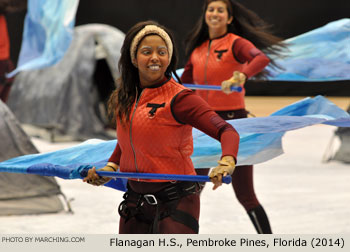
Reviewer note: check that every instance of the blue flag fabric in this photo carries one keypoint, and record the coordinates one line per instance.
(47, 34)
(260, 140)
(261, 137)
(322, 54)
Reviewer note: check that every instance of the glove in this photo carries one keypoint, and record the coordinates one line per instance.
(238, 79)
(94, 179)
(226, 166)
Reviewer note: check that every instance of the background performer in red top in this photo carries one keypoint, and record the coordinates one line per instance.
(223, 50)
(6, 65)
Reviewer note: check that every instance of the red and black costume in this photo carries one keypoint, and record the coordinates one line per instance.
(158, 139)
(6, 65)
(211, 63)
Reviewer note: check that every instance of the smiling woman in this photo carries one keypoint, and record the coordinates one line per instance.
(152, 60)
(225, 48)
(217, 18)
(154, 116)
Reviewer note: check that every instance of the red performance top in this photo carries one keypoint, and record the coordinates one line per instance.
(191, 109)
(153, 141)
(4, 39)
(215, 61)
(244, 52)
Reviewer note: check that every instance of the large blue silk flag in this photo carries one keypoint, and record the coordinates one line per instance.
(260, 141)
(322, 54)
(47, 34)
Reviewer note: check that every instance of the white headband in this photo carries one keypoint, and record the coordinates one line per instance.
(150, 29)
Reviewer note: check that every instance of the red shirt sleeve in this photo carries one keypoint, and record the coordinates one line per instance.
(245, 52)
(189, 108)
(115, 157)
(187, 77)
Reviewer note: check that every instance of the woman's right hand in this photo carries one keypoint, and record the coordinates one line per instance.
(94, 179)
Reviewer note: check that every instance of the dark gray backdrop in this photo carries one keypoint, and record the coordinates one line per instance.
(289, 18)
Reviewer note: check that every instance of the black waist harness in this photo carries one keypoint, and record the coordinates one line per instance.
(162, 205)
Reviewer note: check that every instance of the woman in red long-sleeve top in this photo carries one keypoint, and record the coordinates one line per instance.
(5, 61)
(6, 65)
(223, 50)
(155, 116)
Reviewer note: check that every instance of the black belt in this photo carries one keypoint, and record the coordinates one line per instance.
(169, 196)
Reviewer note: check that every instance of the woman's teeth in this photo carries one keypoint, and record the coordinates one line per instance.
(154, 68)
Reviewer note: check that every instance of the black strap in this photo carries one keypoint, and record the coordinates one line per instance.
(155, 221)
(169, 196)
(177, 191)
(186, 219)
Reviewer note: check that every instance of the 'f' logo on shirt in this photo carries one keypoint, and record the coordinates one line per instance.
(220, 53)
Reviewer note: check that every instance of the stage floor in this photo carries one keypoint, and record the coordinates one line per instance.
(266, 105)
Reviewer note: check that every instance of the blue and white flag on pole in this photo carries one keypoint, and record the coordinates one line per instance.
(260, 140)
(261, 137)
(322, 54)
(47, 34)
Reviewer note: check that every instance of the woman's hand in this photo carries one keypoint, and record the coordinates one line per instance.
(226, 166)
(237, 80)
(94, 179)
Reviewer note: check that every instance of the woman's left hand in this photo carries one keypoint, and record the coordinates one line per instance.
(226, 166)
(237, 80)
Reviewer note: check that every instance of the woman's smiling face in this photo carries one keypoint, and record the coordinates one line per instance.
(217, 17)
(152, 60)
